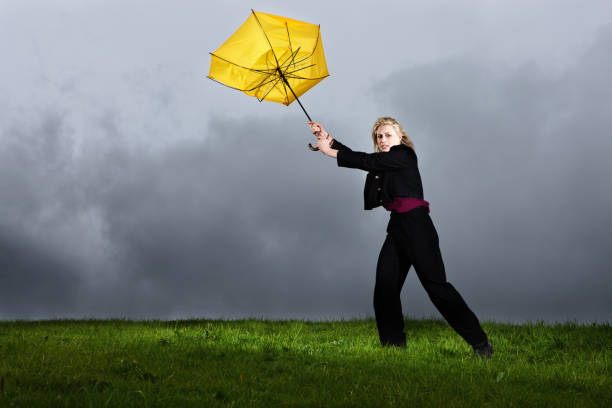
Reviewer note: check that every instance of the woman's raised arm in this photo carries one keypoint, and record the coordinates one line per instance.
(380, 161)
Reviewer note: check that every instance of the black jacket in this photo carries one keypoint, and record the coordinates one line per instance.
(390, 174)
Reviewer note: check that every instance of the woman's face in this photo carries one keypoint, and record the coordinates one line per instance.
(387, 137)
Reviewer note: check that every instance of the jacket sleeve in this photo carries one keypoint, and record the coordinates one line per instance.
(339, 146)
(380, 161)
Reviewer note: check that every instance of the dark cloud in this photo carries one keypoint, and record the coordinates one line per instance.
(121, 198)
(231, 225)
(38, 276)
(237, 224)
(34, 280)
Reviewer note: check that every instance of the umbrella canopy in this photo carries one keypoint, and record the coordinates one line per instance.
(272, 58)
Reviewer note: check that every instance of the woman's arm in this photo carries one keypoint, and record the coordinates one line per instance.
(338, 146)
(358, 160)
(397, 159)
(370, 161)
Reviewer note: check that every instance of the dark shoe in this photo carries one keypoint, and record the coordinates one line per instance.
(483, 350)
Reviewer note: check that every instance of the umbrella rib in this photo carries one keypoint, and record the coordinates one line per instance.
(290, 59)
(309, 79)
(314, 49)
(262, 83)
(289, 38)
(282, 73)
(291, 74)
(266, 80)
(265, 35)
(299, 69)
(247, 89)
(270, 90)
(261, 71)
(281, 66)
(229, 86)
(285, 89)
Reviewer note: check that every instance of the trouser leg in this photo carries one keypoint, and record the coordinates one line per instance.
(391, 272)
(423, 244)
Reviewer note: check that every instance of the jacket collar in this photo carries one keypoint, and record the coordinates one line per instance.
(400, 146)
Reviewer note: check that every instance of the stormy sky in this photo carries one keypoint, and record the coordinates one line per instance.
(133, 186)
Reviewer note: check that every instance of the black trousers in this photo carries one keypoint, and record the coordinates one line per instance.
(412, 240)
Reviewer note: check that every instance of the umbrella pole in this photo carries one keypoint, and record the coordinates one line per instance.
(310, 146)
(298, 101)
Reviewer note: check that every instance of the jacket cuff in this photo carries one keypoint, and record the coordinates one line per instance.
(347, 158)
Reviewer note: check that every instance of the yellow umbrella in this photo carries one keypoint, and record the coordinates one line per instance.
(272, 58)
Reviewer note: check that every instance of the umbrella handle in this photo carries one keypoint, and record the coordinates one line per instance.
(311, 147)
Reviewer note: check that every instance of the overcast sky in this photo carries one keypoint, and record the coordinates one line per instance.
(133, 186)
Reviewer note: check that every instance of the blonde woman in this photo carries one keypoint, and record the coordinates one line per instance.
(394, 182)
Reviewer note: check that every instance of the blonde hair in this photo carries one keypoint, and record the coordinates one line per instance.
(405, 140)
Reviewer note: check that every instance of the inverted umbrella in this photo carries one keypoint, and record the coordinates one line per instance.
(272, 58)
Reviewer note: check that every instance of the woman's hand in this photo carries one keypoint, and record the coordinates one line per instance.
(318, 130)
(324, 140)
(325, 148)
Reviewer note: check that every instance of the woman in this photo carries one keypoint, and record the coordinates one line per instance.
(394, 182)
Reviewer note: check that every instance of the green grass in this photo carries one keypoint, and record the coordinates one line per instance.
(122, 363)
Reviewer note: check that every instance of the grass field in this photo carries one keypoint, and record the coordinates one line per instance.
(243, 363)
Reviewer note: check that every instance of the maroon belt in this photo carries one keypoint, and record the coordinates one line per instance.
(403, 204)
